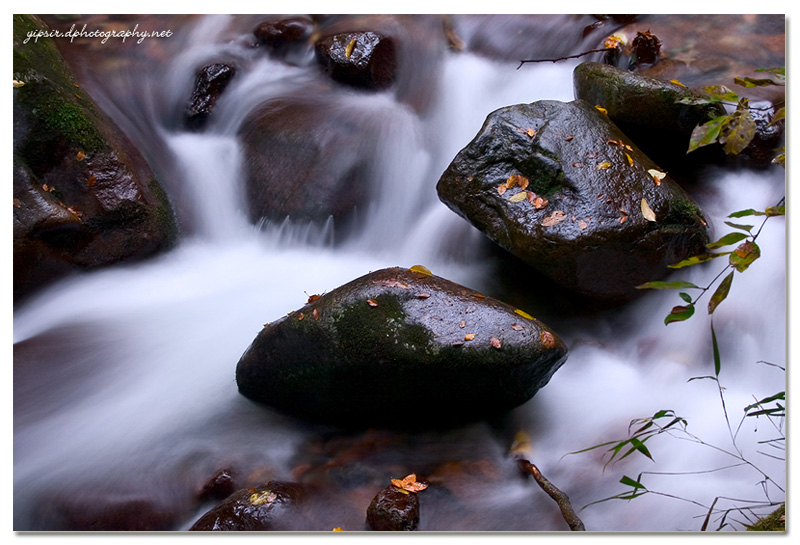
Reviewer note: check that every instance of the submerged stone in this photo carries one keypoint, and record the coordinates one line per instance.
(562, 188)
(270, 506)
(400, 347)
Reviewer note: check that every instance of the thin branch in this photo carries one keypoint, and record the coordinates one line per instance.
(568, 57)
(571, 518)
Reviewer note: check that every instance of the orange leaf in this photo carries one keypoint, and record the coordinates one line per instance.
(372, 302)
(582, 224)
(516, 327)
(569, 138)
(423, 295)
(462, 324)
(315, 314)
(469, 336)
(312, 298)
(502, 188)
(300, 317)
(554, 219)
(548, 340)
(80, 156)
(409, 484)
(495, 342)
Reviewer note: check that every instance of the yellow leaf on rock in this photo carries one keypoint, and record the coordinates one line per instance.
(518, 197)
(601, 109)
(629, 158)
(647, 212)
(349, 49)
(409, 484)
(421, 270)
(524, 314)
(604, 165)
(676, 82)
(80, 156)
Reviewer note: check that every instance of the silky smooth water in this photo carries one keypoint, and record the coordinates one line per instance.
(128, 382)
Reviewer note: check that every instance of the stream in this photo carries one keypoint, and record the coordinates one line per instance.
(124, 377)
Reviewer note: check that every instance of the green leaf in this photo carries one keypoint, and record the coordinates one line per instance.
(737, 133)
(686, 297)
(721, 93)
(748, 212)
(706, 134)
(715, 346)
(755, 82)
(779, 73)
(743, 256)
(775, 397)
(778, 116)
(721, 293)
(639, 445)
(679, 314)
(627, 481)
(727, 240)
(776, 211)
(695, 260)
(739, 226)
(678, 284)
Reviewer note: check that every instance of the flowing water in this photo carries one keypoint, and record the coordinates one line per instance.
(124, 377)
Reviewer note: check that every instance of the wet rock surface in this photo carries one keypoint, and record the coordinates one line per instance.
(211, 82)
(362, 59)
(393, 510)
(83, 195)
(381, 349)
(266, 507)
(590, 215)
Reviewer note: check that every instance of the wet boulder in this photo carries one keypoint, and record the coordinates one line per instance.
(84, 197)
(646, 109)
(562, 188)
(400, 347)
(211, 81)
(271, 506)
(306, 161)
(393, 510)
(281, 35)
(362, 59)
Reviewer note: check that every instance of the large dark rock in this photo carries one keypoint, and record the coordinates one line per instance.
(400, 347)
(83, 195)
(281, 35)
(646, 109)
(306, 161)
(270, 506)
(582, 220)
(210, 82)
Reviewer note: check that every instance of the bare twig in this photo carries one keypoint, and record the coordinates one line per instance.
(571, 518)
(568, 57)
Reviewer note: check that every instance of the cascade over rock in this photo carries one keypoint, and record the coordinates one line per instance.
(401, 347)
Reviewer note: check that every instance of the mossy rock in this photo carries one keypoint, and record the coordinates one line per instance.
(399, 347)
(83, 195)
(562, 188)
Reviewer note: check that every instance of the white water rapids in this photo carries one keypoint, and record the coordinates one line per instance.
(136, 363)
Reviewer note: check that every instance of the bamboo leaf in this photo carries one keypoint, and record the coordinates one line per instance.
(679, 314)
(639, 445)
(706, 134)
(739, 226)
(721, 293)
(658, 285)
(715, 346)
(727, 240)
(770, 399)
(627, 481)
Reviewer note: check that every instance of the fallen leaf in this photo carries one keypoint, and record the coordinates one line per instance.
(462, 324)
(18, 83)
(554, 219)
(657, 175)
(372, 302)
(604, 165)
(47, 188)
(548, 340)
(524, 314)
(676, 82)
(409, 484)
(469, 336)
(523, 183)
(423, 295)
(569, 138)
(315, 314)
(601, 109)
(300, 317)
(521, 444)
(80, 156)
(312, 298)
(266, 496)
(516, 327)
(17, 203)
(495, 342)
(518, 197)
(349, 49)
(421, 270)
(622, 219)
(531, 132)
(502, 188)
(582, 224)
(577, 165)
(539, 203)
(647, 212)
(478, 295)
(337, 529)
(629, 158)
(91, 181)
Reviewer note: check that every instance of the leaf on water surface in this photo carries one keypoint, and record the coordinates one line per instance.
(647, 212)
